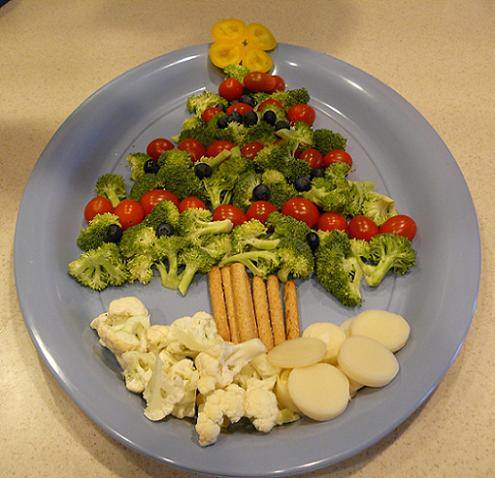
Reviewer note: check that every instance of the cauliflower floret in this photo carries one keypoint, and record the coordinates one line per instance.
(138, 368)
(261, 404)
(157, 337)
(187, 406)
(222, 403)
(126, 307)
(263, 367)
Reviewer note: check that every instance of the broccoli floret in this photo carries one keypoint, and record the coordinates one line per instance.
(143, 184)
(192, 122)
(259, 97)
(261, 132)
(167, 250)
(359, 191)
(236, 71)
(215, 161)
(329, 196)
(300, 134)
(338, 270)
(280, 158)
(378, 207)
(260, 262)
(296, 259)
(140, 268)
(163, 212)
(93, 236)
(337, 171)
(195, 259)
(111, 186)
(196, 225)
(237, 132)
(206, 133)
(99, 268)
(138, 240)
(252, 235)
(243, 189)
(325, 140)
(280, 189)
(287, 226)
(219, 246)
(176, 157)
(280, 113)
(292, 97)
(388, 252)
(176, 174)
(136, 163)
(197, 104)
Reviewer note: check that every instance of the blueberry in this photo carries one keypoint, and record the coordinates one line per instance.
(318, 172)
(113, 233)
(221, 106)
(261, 193)
(164, 229)
(250, 118)
(313, 240)
(235, 116)
(202, 170)
(222, 122)
(151, 166)
(270, 117)
(282, 124)
(302, 184)
(248, 99)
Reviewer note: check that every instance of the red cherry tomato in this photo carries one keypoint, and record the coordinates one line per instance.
(231, 89)
(157, 147)
(331, 221)
(280, 83)
(400, 224)
(260, 210)
(250, 150)
(269, 101)
(191, 202)
(301, 209)
(241, 108)
(227, 211)
(301, 112)
(218, 146)
(337, 156)
(210, 113)
(97, 205)
(256, 81)
(151, 198)
(193, 147)
(312, 157)
(362, 227)
(130, 213)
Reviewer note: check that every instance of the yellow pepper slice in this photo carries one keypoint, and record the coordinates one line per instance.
(259, 36)
(231, 30)
(257, 60)
(224, 53)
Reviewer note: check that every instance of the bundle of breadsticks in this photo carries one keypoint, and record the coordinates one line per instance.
(246, 308)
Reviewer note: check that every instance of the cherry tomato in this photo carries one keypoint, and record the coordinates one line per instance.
(231, 89)
(210, 113)
(157, 147)
(312, 157)
(269, 101)
(250, 150)
(337, 156)
(257, 81)
(241, 108)
(218, 146)
(151, 198)
(193, 147)
(400, 224)
(97, 205)
(227, 211)
(362, 227)
(130, 213)
(191, 202)
(301, 112)
(301, 209)
(331, 221)
(260, 210)
(280, 83)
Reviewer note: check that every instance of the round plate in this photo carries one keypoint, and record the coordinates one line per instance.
(391, 144)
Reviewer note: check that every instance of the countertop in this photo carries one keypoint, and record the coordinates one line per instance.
(439, 55)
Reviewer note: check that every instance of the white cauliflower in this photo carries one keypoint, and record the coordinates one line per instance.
(137, 369)
(264, 367)
(220, 404)
(126, 307)
(261, 404)
(157, 337)
(186, 370)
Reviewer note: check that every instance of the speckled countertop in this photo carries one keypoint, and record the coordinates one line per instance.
(439, 55)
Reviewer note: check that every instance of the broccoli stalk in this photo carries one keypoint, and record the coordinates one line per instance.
(300, 134)
(260, 262)
(196, 225)
(111, 186)
(195, 259)
(168, 248)
(252, 234)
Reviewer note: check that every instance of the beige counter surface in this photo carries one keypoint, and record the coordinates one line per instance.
(438, 54)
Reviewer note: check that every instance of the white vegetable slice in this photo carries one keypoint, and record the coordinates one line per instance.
(282, 392)
(346, 326)
(388, 328)
(299, 352)
(367, 361)
(320, 392)
(331, 334)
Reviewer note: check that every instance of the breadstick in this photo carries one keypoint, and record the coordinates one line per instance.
(229, 302)
(245, 320)
(291, 312)
(262, 312)
(276, 311)
(218, 303)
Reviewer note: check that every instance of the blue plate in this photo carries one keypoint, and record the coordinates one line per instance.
(391, 144)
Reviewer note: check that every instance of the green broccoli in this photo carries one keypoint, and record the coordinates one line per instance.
(252, 234)
(296, 259)
(146, 182)
(206, 133)
(280, 158)
(194, 259)
(167, 250)
(140, 268)
(196, 225)
(237, 132)
(236, 71)
(138, 240)
(111, 186)
(280, 189)
(218, 246)
(325, 140)
(329, 196)
(286, 226)
(136, 163)
(280, 113)
(192, 122)
(197, 104)
(242, 193)
(300, 134)
(338, 270)
(163, 212)
(291, 97)
(261, 132)
(378, 207)
(93, 236)
(359, 191)
(260, 262)
(177, 157)
(99, 268)
(337, 171)
(215, 161)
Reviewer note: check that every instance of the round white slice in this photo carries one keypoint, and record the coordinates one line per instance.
(331, 334)
(346, 326)
(320, 392)
(388, 328)
(282, 392)
(367, 361)
(299, 352)
(353, 386)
